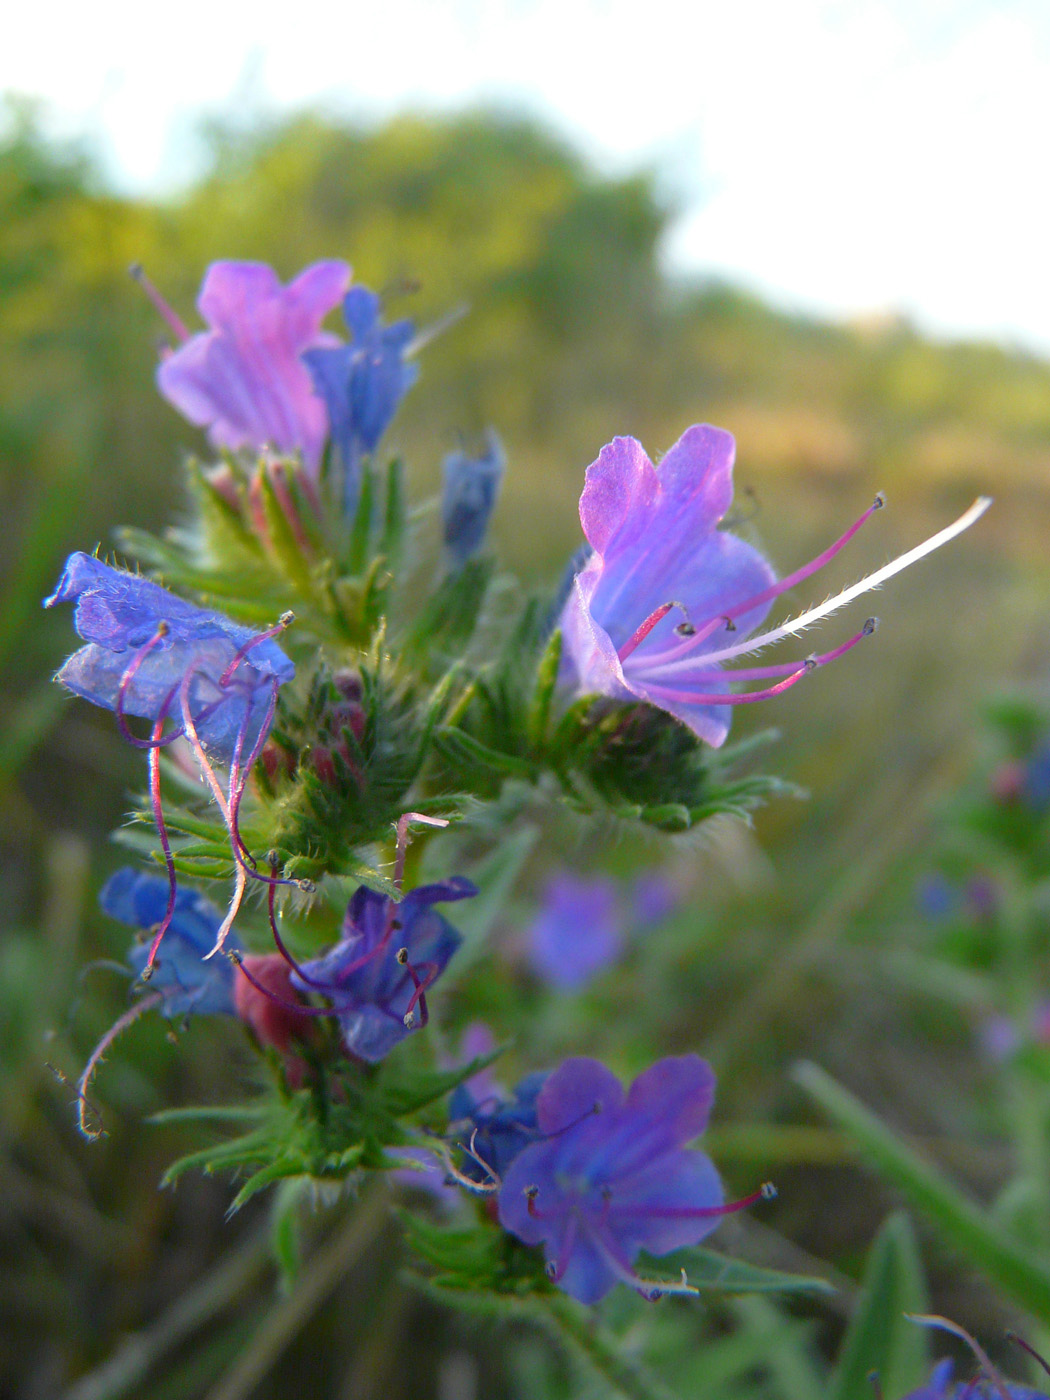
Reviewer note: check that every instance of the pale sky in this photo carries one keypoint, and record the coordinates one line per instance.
(843, 157)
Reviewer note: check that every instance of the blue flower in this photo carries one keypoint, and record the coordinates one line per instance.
(940, 1387)
(362, 383)
(153, 654)
(494, 1128)
(379, 972)
(610, 1175)
(187, 984)
(469, 496)
(578, 932)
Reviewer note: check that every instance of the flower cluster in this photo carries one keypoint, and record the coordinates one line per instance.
(313, 744)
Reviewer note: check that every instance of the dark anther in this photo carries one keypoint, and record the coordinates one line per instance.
(163, 628)
(286, 619)
(531, 1192)
(306, 886)
(273, 858)
(872, 625)
(769, 1191)
(880, 500)
(551, 1270)
(730, 625)
(233, 955)
(147, 972)
(402, 956)
(685, 629)
(810, 664)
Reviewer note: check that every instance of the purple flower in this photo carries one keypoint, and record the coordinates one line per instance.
(469, 496)
(611, 1175)
(379, 972)
(578, 932)
(153, 654)
(654, 899)
(657, 551)
(362, 383)
(244, 379)
(187, 984)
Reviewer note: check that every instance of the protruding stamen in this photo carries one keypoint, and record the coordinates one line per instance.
(787, 668)
(946, 1325)
(774, 590)
(130, 672)
(165, 844)
(84, 1082)
(279, 941)
(766, 1192)
(403, 838)
(640, 634)
(479, 1188)
(430, 971)
(282, 624)
(689, 697)
(300, 1008)
(170, 316)
(1025, 1346)
(799, 624)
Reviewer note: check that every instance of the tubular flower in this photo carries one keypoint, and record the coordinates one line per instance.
(362, 383)
(471, 485)
(378, 974)
(152, 654)
(244, 379)
(184, 984)
(941, 1387)
(650, 608)
(611, 1175)
(187, 984)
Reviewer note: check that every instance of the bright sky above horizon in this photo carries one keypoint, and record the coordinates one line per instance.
(841, 157)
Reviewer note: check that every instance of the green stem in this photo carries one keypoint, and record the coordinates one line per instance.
(584, 1338)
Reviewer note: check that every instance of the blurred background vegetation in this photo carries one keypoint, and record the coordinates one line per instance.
(573, 334)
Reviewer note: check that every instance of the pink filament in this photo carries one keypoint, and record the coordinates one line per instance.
(165, 844)
(688, 697)
(116, 1029)
(768, 594)
(169, 315)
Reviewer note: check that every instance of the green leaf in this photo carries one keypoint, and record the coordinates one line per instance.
(1022, 1275)
(880, 1339)
(538, 719)
(711, 1272)
(459, 748)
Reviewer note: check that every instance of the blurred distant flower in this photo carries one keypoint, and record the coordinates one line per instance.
(186, 983)
(936, 896)
(578, 931)
(469, 496)
(999, 1038)
(362, 383)
(611, 1176)
(654, 898)
(153, 654)
(1036, 781)
(244, 379)
(378, 974)
(657, 550)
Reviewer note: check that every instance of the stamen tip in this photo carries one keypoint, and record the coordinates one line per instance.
(136, 271)
(872, 625)
(402, 956)
(286, 619)
(879, 501)
(768, 1190)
